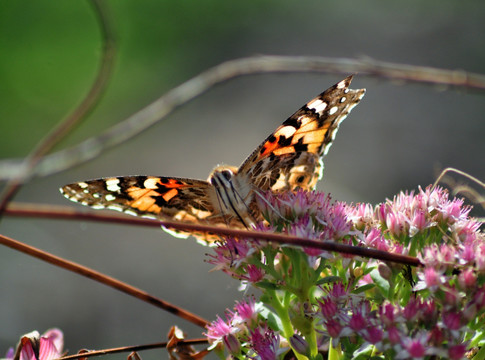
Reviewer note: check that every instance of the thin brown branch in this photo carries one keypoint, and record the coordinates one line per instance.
(65, 212)
(460, 172)
(196, 86)
(101, 278)
(89, 102)
(131, 348)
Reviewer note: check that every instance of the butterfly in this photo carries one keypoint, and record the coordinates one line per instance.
(289, 159)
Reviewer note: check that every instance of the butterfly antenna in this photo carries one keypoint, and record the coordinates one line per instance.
(242, 200)
(261, 196)
(219, 197)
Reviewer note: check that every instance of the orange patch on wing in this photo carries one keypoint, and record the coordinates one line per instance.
(311, 137)
(269, 147)
(170, 194)
(136, 192)
(172, 183)
(284, 150)
(145, 203)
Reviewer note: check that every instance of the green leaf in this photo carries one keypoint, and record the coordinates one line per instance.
(328, 279)
(365, 353)
(363, 288)
(266, 285)
(381, 283)
(274, 322)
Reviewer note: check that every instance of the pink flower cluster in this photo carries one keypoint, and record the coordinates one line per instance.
(359, 304)
(244, 333)
(418, 329)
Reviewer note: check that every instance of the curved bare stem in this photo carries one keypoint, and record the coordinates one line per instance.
(103, 279)
(194, 87)
(90, 101)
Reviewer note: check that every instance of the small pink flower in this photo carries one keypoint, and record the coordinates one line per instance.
(418, 222)
(452, 211)
(218, 329)
(393, 335)
(467, 254)
(338, 291)
(366, 279)
(387, 314)
(375, 239)
(361, 215)
(254, 274)
(457, 352)
(452, 320)
(265, 343)
(381, 212)
(333, 328)
(373, 335)
(328, 307)
(416, 348)
(436, 336)
(396, 224)
(410, 311)
(46, 347)
(429, 279)
(467, 279)
(358, 322)
(428, 312)
(247, 310)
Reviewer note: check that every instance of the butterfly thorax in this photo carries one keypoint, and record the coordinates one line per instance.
(234, 193)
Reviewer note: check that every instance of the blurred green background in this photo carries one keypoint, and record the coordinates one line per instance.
(395, 139)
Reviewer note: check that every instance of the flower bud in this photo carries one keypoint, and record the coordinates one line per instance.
(384, 271)
(299, 344)
(232, 344)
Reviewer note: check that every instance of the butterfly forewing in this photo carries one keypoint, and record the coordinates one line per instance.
(290, 158)
(149, 196)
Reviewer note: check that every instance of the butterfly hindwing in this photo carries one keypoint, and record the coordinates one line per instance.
(290, 158)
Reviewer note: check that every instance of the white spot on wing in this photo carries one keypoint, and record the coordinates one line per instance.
(341, 84)
(82, 185)
(343, 99)
(110, 197)
(151, 183)
(333, 110)
(115, 207)
(317, 105)
(112, 184)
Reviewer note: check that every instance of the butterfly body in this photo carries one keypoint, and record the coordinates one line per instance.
(289, 159)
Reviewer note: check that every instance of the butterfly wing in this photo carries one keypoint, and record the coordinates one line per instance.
(153, 197)
(290, 158)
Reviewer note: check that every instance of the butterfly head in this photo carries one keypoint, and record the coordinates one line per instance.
(233, 193)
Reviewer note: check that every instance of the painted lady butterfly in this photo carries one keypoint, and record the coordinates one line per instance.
(288, 159)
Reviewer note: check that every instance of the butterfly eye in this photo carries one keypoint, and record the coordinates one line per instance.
(227, 174)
